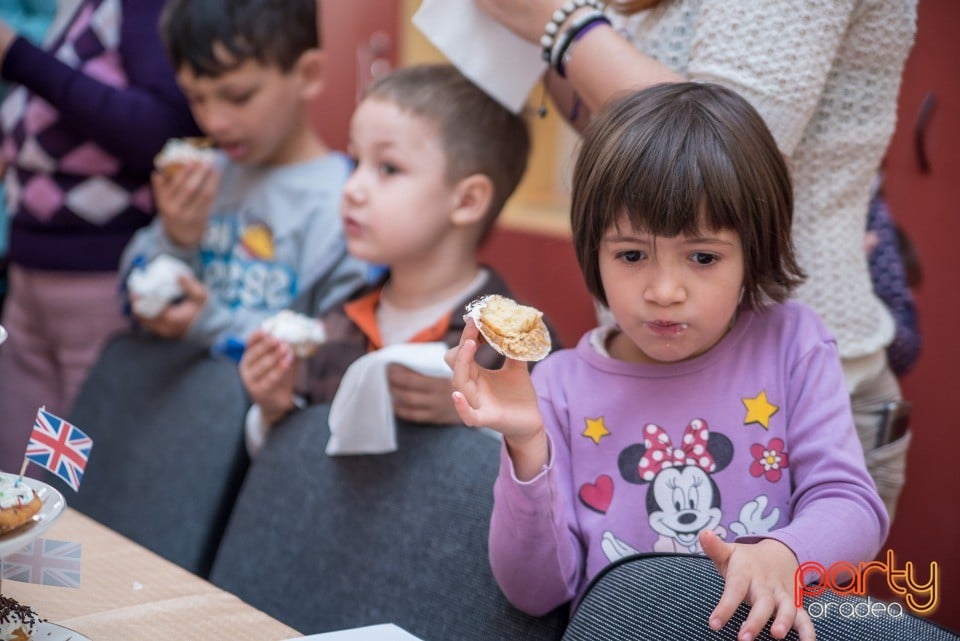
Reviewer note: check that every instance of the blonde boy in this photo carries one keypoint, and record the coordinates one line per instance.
(436, 159)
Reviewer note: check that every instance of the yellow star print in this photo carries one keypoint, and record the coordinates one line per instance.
(759, 410)
(596, 430)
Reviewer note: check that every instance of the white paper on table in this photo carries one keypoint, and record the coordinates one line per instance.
(499, 61)
(361, 414)
(384, 632)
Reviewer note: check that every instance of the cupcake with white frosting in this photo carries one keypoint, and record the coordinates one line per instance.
(156, 285)
(303, 333)
(18, 502)
(177, 152)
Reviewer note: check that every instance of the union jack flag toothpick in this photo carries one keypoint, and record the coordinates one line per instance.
(59, 446)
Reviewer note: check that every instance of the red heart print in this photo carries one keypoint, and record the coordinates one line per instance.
(597, 495)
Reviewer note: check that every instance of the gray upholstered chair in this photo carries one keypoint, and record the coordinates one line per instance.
(326, 543)
(670, 596)
(168, 458)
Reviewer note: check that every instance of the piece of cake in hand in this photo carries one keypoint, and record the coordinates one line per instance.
(17, 621)
(156, 285)
(177, 152)
(302, 333)
(18, 502)
(515, 331)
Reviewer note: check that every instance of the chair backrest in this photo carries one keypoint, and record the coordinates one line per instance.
(671, 596)
(327, 543)
(168, 456)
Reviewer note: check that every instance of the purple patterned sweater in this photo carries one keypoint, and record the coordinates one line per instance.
(80, 133)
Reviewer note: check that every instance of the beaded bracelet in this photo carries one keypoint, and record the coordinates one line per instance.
(559, 55)
(556, 21)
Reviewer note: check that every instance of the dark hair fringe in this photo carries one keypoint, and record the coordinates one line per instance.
(678, 158)
(272, 32)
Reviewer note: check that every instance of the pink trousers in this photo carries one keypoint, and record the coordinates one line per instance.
(57, 323)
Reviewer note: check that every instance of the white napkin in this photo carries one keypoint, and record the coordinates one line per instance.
(361, 415)
(499, 61)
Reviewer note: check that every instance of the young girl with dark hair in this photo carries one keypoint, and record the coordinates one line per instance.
(712, 417)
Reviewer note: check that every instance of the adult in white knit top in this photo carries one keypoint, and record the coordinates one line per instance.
(825, 75)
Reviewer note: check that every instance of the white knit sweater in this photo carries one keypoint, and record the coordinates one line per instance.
(825, 75)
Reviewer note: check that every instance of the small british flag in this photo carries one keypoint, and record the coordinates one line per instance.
(60, 447)
(45, 562)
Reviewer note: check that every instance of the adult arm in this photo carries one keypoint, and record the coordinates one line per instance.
(131, 122)
(776, 53)
(605, 63)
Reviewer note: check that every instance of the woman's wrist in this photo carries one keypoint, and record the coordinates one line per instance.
(555, 28)
(578, 27)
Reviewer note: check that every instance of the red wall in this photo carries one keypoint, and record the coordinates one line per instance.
(927, 204)
(359, 38)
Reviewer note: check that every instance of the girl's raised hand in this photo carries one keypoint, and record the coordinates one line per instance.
(503, 400)
(762, 574)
